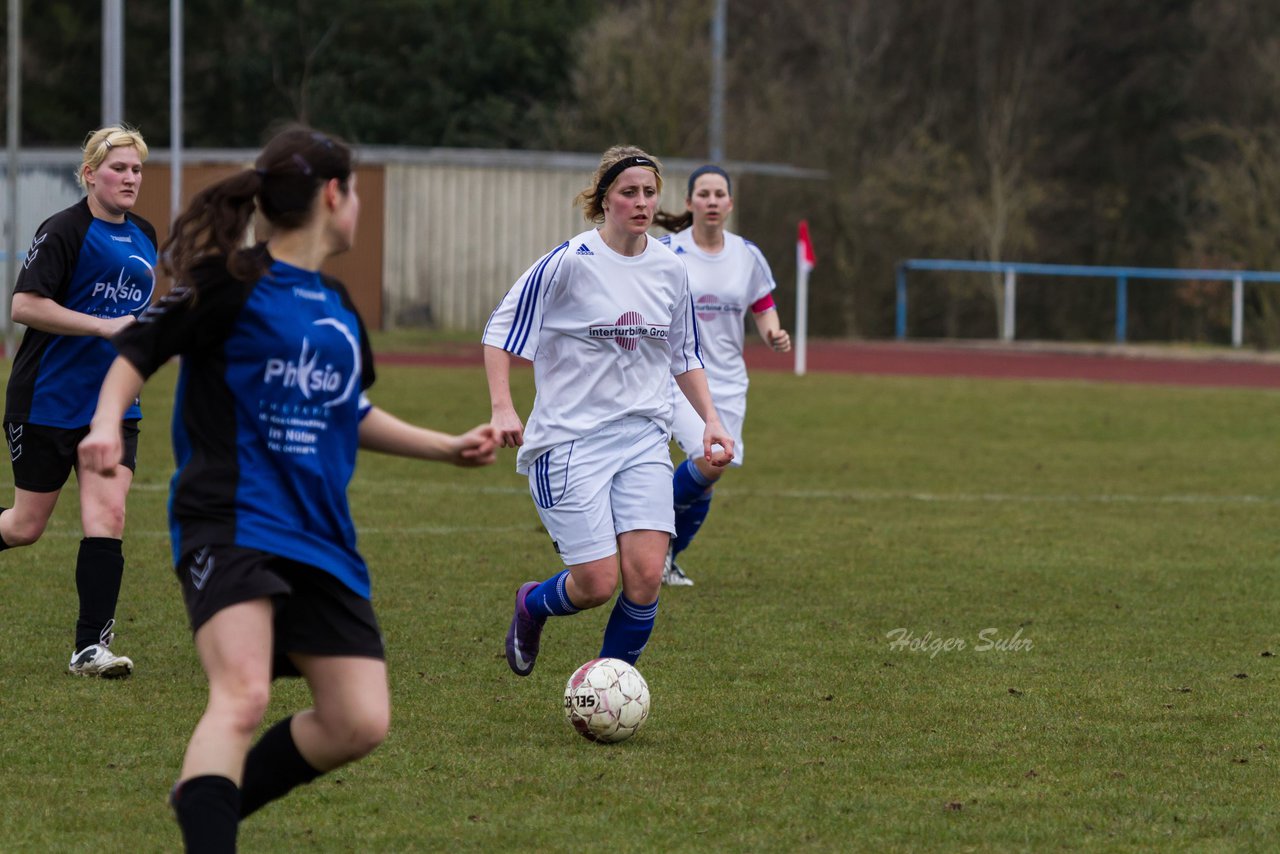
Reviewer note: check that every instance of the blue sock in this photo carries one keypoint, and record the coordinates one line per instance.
(687, 484)
(628, 630)
(550, 599)
(689, 520)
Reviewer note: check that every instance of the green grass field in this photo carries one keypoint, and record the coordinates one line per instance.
(1120, 542)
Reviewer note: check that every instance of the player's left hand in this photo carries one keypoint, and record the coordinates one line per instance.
(477, 447)
(779, 340)
(715, 434)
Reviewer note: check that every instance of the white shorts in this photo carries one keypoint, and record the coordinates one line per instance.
(606, 483)
(687, 425)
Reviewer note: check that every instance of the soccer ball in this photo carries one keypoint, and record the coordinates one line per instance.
(606, 699)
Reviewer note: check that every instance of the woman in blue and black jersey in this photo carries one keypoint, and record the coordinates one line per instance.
(89, 272)
(269, 412)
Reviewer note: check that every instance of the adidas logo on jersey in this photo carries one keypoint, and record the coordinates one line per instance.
(680, 250)
(583, 250)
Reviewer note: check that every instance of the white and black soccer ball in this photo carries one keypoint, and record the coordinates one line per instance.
(607, 700)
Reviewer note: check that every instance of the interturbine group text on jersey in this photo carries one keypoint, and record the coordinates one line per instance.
(630, 330)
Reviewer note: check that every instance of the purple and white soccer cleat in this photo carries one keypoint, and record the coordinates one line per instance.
(524, 635)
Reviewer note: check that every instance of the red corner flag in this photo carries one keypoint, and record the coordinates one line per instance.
(804, 247)
(804, 263)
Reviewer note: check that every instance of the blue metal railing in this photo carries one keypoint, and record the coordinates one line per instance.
(1122, 275)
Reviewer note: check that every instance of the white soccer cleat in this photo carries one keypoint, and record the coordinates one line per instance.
(672, 574)
(98, 659)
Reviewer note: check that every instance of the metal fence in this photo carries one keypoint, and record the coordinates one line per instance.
(1121, 275)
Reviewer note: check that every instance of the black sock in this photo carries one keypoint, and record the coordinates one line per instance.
(207, 809)
(99, 568)
(273, 768)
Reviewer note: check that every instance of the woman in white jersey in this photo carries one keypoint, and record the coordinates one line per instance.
(727, 274)
(607, 319)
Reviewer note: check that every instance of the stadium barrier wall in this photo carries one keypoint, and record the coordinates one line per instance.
(443, 232)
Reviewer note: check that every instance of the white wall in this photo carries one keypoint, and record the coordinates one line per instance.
(462, 225)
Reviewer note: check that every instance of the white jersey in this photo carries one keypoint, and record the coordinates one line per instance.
(605, 332)
(724, 286)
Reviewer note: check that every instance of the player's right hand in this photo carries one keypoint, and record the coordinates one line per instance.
(101, 450)
(509, 428)
(115, 325)
(477, 447)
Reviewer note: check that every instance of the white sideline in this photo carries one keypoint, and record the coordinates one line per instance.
(863, 495)
(871, 495)
(421, 530)
(402, 488)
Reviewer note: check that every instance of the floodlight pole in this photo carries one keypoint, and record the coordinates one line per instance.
(175, 108)
(112, 62)
(13, 142)
(715, 129)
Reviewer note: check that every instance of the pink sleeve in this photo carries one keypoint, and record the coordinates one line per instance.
(763, 304)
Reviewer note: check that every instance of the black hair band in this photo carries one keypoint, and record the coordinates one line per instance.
(611, 174)
(709, 169)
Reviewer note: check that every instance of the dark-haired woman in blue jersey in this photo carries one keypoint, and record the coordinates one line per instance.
(88, 273)
(269, 412)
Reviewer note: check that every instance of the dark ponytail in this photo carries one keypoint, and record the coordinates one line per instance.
(282, 186)
(214, 223)
(673, 222)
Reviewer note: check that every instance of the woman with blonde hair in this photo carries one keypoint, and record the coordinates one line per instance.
(88, 274)
(607, 320)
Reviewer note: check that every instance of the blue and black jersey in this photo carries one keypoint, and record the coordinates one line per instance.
(88, 265)
(267, 411)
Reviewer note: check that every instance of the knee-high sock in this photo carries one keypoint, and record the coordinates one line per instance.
(687, 484)
(628, 630)
(208, 812)
(273, 768)
(99, 568)
(689, 519)
(550, 599)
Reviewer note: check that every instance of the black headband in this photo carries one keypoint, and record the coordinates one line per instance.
(611, 174)
(709, 169)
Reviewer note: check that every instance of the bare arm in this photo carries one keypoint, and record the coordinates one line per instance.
(497, 367)
(102, 448)
(383, 432)
(770, 328)
(49, 315)
(693, 384)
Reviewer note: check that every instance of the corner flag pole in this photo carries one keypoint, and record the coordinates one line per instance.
(804, 264)
(13, 138)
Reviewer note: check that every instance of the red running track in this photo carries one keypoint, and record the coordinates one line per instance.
(1014, 361)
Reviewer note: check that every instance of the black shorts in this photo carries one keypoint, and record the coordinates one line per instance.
(315, 613)
(43, 457)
